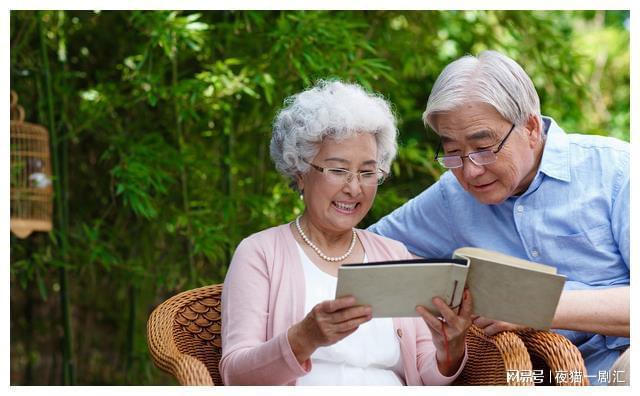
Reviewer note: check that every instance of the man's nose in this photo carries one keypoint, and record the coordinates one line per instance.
(470, 169)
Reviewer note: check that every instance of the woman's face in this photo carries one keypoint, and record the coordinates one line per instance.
(338, 207)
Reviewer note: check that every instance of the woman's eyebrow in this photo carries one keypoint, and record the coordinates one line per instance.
(335, 159)
(344, 161)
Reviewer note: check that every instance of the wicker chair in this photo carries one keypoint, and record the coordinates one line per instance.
(183, 335)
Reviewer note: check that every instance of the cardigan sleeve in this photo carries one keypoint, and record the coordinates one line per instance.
(248, 357)
(426, 358)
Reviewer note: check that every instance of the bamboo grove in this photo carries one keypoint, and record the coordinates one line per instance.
(160, 124)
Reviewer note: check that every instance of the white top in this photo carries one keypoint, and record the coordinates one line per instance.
(369, 356)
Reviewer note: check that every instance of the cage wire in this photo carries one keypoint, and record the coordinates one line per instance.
(31, 184)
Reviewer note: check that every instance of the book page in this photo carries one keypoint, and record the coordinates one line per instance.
(513, 293)
(505, 259)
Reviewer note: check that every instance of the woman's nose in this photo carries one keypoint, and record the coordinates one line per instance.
(353, 184)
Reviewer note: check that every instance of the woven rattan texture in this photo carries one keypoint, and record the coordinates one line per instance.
(196, 330)
(560, 355)
(186, 329)
(183, 334)
(490, 358)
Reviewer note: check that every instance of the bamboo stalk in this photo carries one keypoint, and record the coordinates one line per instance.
(131, 334)
(183, 171)
(29, 318)
(232, 220)
(68, 373)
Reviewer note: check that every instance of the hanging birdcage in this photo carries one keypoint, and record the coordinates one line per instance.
(31, 189)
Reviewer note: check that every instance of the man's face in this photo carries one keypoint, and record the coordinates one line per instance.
(478, 126)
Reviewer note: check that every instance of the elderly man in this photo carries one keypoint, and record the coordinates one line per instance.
(520, 185)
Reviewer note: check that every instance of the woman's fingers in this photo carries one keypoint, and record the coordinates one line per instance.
(446, 312)
(335, 319)
(350, 313)
(430, 319)
(458, 321)
(337, 304)
(351, 324)
(466, 310)
(342, 309)
(345, 334)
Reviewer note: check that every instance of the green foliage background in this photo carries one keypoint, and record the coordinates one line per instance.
(163, 124)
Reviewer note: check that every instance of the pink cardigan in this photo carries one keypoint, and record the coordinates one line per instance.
(263, 296)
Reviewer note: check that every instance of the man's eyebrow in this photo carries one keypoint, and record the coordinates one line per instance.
(480, 135)
(446, 139)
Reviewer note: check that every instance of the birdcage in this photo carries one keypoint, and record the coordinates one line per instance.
(31, 189)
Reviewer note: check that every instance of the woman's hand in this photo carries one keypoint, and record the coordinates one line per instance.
(327, 323)
(449, 332)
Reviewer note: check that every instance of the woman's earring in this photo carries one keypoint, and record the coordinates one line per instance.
(301, 195)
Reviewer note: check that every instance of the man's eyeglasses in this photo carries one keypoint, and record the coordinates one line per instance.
(480, 158)
(341, 176)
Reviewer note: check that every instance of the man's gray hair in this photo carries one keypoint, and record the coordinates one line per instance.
(330, 109)
(491, 78)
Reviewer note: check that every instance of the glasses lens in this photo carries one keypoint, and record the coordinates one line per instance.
(450, 161)
(342, 176)
(483, 157)
(337, 176)
(371, 178)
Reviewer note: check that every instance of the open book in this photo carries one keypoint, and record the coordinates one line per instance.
(502, 287)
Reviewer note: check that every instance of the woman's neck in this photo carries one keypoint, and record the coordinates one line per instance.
(329, 241)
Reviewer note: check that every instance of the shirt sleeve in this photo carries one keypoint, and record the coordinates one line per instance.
(422, 223)
(248, 357)
(620, 216)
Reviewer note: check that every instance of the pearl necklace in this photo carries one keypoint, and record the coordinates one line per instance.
(317, 249)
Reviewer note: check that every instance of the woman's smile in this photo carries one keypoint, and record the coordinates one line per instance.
(347, 208)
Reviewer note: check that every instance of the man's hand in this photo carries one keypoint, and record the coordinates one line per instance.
(493, 327)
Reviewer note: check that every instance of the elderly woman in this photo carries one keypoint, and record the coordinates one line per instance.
(281, 323)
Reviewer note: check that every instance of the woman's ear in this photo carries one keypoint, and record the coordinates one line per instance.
(300, 183)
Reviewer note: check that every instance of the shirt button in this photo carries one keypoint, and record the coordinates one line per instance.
(520, 208)
(399, 332)
(535, 253)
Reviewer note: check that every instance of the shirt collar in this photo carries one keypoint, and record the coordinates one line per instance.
(555, 156)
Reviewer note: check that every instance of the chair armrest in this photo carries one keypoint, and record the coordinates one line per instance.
(561, 356)
(190, 371)
(490, 359)
(165, 354)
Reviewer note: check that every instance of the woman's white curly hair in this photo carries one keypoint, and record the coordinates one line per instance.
(330, 109)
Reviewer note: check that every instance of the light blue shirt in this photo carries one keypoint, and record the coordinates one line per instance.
(574, 216)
